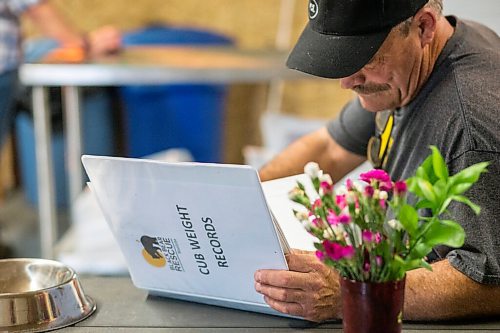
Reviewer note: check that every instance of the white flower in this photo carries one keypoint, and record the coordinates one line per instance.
(328, 234)
(312, 170)
(383, 195)
(350, 198)
(306, 225)
(326, 178)
(338, 230)
(302, 216)
(347, 239)
(395, 224)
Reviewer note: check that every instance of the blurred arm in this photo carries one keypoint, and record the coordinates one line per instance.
(53, 25)
(102, 40)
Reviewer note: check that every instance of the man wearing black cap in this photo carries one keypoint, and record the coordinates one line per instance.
(422, 79)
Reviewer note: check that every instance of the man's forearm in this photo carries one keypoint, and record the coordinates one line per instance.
(446, 293)
(53, 25)
(318, 147)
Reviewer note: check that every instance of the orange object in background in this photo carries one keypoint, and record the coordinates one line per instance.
(66, 55)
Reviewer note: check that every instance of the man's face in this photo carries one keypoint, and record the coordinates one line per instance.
(389, 80)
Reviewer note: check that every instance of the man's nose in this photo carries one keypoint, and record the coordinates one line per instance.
(355, 79)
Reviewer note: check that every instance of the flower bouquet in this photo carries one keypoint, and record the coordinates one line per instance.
(373, 232)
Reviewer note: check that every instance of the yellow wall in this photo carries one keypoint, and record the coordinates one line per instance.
(252, 23)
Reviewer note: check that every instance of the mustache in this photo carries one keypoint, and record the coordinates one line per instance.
(371, 88)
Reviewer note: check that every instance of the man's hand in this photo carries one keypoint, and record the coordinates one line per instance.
(104, 40)
(309, 289)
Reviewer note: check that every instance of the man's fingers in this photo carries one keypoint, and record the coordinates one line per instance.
(281, 294)
(293, 309)
(282, 278)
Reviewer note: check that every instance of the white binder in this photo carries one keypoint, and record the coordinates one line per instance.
(195, 231)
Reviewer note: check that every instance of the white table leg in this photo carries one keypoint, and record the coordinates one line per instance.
(73, 136)
(45, 172)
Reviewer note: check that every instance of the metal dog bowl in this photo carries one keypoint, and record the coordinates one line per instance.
(39, 295)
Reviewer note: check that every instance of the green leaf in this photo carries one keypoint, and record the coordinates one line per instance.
(445, 232)
(413, 186)
(427, 190)
(424, 204)
(464, 200)
(460, 188)
(438, 164)
(426, 265)
(408, 217)
(301, 186)
(470, 174)
(420, 250)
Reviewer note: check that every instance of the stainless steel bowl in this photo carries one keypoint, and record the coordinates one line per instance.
(39, 295)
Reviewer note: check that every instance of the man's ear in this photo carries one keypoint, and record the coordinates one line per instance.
(426, 23)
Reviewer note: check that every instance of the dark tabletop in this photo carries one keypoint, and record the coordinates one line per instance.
(123, 308)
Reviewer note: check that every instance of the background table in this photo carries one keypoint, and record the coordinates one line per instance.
(123, 308)
(133, 66)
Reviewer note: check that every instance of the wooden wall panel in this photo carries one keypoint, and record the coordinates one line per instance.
(252, 23)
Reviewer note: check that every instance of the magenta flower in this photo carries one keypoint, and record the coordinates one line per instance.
(367, 235)
(369, 191)
(382, 203)
(336, 251)
(349, 184)
(335, 219)
(377, 175)
(327, 187)
(320, 255)
(378, 238)
(387, 186)
(317, 203)
(400, 187)
(331, 217)
(366, 267)
(344, 218)
(341, 201)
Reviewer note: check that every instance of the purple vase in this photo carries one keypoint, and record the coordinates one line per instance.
(370, 307)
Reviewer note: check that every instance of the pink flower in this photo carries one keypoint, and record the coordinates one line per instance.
(378, 260)
(327, 187)
(320, 255)
(387, 186)
(376, 175)
(349, 184)
(400, 187)
(369, 191)
(335, 219)
(341, 201)
(317, 203)
(378, 238)
(344, 218)
(366, 267)
(382, 203)
(367, 235)
(337, 252)
(331, 217)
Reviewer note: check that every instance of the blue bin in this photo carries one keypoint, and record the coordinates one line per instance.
(186, 116)
(98, 139)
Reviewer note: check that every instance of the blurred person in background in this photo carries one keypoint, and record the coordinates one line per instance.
(49, 21)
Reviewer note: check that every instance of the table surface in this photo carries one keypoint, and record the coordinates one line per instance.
(147, 65)
(123, 308)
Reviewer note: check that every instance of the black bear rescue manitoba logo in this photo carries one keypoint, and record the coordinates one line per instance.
(152, 252)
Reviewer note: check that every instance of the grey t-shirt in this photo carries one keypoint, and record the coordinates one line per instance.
(458, 111)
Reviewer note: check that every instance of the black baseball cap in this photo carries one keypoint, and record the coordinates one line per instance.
(343, 35)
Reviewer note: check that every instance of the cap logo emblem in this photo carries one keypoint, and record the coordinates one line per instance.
(313, 9)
